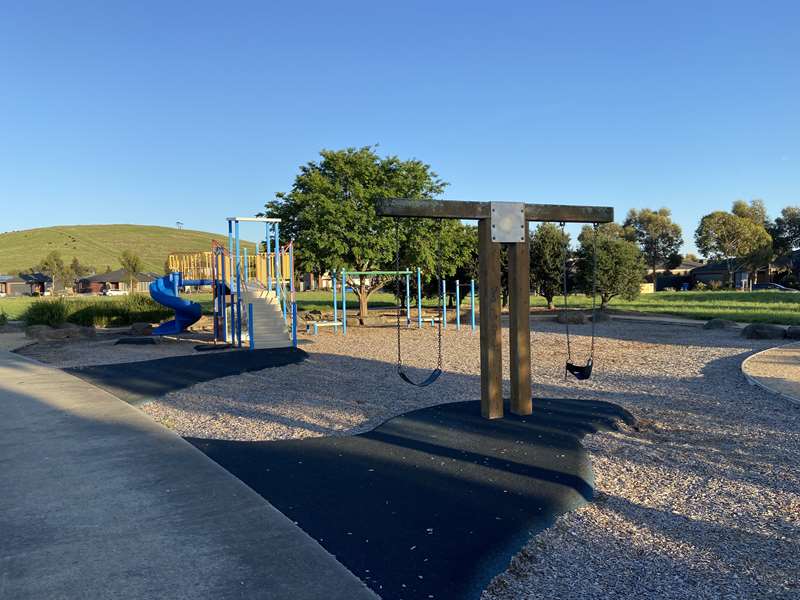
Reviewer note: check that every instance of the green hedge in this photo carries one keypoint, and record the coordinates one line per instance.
(100, 312)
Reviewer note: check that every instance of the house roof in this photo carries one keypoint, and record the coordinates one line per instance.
(718, 266)
(118, 276)
(26, 278)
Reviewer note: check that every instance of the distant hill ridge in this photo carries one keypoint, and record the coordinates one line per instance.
(100, 245)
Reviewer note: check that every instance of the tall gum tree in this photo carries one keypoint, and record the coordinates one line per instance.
(330, 214)
(659, 238)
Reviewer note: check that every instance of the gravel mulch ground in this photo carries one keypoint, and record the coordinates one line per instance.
(103, 350)
(703, 502)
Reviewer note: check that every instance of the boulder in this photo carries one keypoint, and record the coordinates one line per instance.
(600, 316)
(793, 333)
(763, 331)
(719, 324)
(313, 315)
(572, 317)
(140, 329)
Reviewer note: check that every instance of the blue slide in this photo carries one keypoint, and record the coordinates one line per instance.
(164, 290)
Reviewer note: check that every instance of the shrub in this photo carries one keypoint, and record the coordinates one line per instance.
(46, 312)
(715, 284)
(117, 312)
(669, 289)
(3, 318)
(700, 286)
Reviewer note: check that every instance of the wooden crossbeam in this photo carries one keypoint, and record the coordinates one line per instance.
(460, 209)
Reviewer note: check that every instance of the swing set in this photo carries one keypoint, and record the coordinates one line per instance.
(500, 223)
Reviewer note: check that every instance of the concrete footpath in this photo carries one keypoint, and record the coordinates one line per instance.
(99, 501)
(777, 370)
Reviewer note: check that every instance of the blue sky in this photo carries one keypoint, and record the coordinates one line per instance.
(153, 112)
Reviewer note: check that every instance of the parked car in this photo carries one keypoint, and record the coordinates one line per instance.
(109, 292)
(773, 286)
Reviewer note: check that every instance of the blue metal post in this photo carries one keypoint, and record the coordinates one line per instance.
(419, 298)
(408, 300)
(458, 306)
(335, 307)
(230, 282)
(344, 302)
(472, 302)
(250, 326)
(224, 286)
(291, 291)
(444, 303)
(269, 254)
(238, 289)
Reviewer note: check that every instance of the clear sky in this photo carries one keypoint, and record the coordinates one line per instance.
(153, 112)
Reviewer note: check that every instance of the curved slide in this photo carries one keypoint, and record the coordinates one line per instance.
(164, 292)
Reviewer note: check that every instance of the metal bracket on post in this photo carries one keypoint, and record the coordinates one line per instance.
(508, 222)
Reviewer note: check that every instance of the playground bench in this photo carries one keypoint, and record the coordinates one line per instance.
(315, 325)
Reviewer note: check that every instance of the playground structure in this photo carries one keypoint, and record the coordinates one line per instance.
(500, 223)
(252, 300)
(339, 286)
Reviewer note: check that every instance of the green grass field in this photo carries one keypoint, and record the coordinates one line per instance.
(767, 306)
(100, 245)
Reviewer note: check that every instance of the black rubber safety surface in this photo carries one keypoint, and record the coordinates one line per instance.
(138, 382)
(434, 503)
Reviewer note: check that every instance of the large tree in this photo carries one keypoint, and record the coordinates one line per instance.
(725, 236)
(53, 266)
(785, 231)
(659, 238)
(619, 266)
(755, 211)
(549, 244)
(131, 265)
(330, 213)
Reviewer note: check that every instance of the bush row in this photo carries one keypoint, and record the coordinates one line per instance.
(117, 312)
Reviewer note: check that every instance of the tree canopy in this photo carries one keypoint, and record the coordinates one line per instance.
(131, 264)
(620, 266)
(785, 231)
(725, 236)
(547, 251)
(330, 213)
(659, 238)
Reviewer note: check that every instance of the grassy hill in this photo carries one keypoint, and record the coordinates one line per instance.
(101, 245)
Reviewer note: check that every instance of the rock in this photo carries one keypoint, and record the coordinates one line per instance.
(600, 316)
(793, 333)
(572, 317)
(139, 329)
(763, 331)
(719, 324)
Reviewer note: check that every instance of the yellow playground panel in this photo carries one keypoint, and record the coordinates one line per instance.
(198, 265)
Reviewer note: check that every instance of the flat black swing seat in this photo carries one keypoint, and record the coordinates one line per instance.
(425, 383)
(580, 372)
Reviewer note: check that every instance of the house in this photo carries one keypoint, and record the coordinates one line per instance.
(25, 284)
(114, 280)
(743, 275)
(674, 277)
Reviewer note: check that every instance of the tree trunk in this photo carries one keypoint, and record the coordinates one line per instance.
(550, 304)
(363, 299)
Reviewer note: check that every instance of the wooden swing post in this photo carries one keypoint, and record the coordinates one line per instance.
(500, 223)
